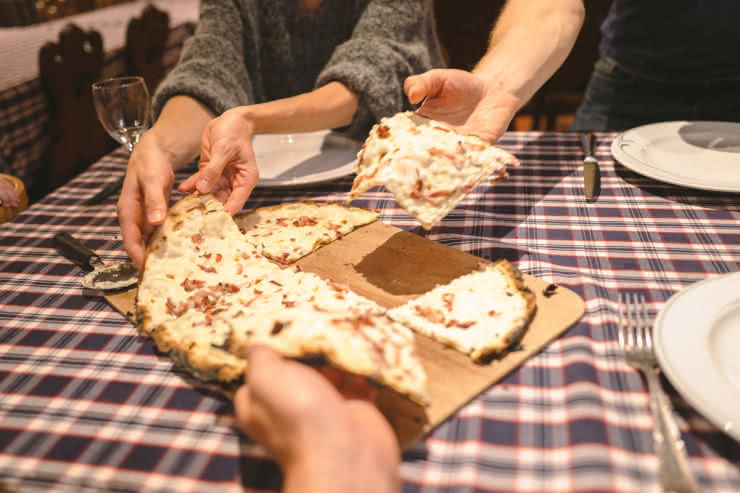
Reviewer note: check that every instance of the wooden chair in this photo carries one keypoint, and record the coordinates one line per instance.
(68, 69)
(146, 42)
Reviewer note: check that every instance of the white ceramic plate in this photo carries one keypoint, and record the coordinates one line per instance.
(699, 154)
(287, 160)
(697, 342)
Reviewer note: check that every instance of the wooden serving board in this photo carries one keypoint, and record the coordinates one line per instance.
(392, 266)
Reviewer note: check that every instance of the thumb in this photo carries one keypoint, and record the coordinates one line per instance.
(260, 360)
(428, 84)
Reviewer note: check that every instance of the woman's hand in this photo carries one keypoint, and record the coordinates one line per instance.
(471, 103)
(323, 440)
(228, 168)
(145, 194)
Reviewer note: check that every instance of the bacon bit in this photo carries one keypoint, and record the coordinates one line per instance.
(239, 268)
(334, 227)
(283, 258)
(435, 151)
(441, 193)
(339, 288)
(196, 238)
(443, 129)
(318, 308)
(258, 292)
(207, 256)
(207, 269)
(276, 283)
(170, 276)
(292, 239)
(288, 304)
(281, 221)
(492, 313)
(462, 325)
(468, 188)
(415, 131)
(476, 147)
(416, 192)
(174, 309)
(217, 311)
(192, 284)
(431, 314)
(243, 230)
(245, 255)
(383, 131)
(218, 257)
(448, 299)
(305, 221)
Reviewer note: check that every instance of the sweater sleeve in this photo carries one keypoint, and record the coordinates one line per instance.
(211, 67)
(391, 41)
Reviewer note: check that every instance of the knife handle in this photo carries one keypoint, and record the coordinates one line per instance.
(591, 180)
(75, 251)
(109, 189)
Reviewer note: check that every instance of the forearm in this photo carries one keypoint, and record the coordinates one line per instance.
(529, 42)
(330, 106)
(179, 128)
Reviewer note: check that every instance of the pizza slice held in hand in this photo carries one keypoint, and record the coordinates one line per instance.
(427, 165)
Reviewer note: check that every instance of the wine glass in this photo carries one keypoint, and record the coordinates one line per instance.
(122, 106)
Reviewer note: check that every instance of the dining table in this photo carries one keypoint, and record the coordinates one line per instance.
(88, 404)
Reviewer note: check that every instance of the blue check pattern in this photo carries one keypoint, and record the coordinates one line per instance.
(86, 404)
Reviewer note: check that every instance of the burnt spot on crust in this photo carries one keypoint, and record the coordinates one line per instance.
(549, 290)
(278, 326)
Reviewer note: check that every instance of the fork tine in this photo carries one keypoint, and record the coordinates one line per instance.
(622, 325)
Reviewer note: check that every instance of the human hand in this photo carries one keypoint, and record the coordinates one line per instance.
(145, 194)
(323, 440)
(470, 103)
(228, 169)
(8, 194)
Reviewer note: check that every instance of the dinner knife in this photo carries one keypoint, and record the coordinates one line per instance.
(591, 171)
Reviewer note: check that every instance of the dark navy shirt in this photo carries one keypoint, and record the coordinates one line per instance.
(674, 40)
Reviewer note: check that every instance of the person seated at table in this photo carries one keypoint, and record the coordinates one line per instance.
(268, 66)
(660, 61)
(8, 194)
(324, 441)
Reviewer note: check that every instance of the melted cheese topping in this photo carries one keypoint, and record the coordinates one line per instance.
(425, 164)
(292, 230)
(209, 294)
(479, 313)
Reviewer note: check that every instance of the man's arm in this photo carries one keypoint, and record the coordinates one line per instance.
(530, 40)
(528, 43)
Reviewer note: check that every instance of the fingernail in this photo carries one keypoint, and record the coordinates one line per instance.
(156, 215)
(203, 185)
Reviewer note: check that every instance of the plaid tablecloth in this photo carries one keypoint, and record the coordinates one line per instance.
(87, 405)
(24, 107)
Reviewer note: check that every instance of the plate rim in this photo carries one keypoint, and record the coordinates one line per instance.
(312, 179)
(650, 171)
(668, 366)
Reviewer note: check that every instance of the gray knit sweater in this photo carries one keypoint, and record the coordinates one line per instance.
(252, 51)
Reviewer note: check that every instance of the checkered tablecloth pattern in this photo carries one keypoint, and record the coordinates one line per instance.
(25, 112)
(87, 405)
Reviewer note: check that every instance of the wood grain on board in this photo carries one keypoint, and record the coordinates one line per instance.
(391, 266)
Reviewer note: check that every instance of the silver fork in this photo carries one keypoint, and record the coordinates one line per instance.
(636, 340)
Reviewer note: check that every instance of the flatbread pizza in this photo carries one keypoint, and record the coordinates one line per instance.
(427, 165)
